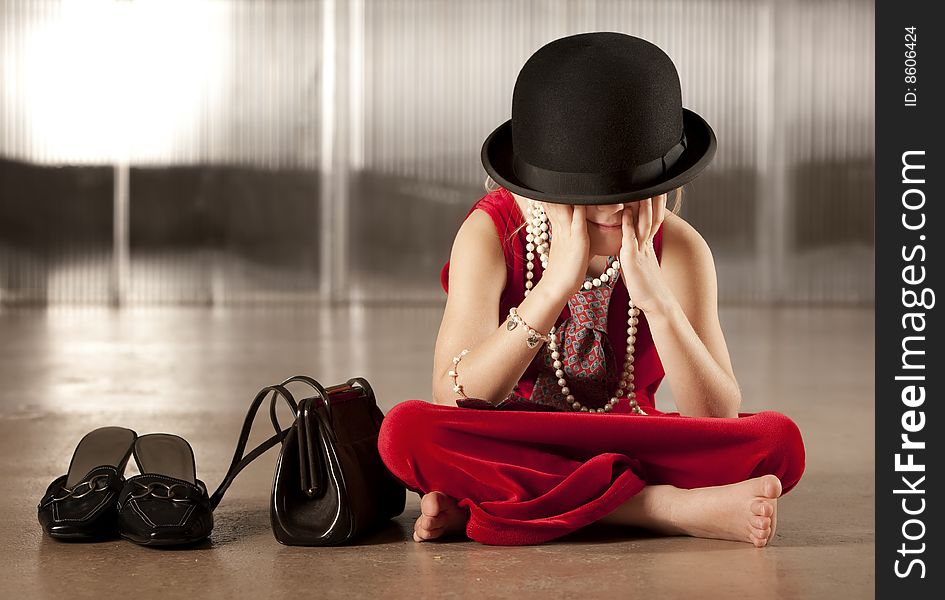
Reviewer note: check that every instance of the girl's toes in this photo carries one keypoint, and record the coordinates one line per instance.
(428, 522)
(761, 523)
(762, 508)
(426, 528)
(758, 537)
(771, 486)
(421, 535)
(433, 503)
(417, 533)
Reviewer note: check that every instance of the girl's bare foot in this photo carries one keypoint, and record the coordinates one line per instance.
(745, 511)
(440, 515)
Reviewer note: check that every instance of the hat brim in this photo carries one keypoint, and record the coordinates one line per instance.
(701, 145)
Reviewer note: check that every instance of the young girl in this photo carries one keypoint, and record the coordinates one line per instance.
(572, 292)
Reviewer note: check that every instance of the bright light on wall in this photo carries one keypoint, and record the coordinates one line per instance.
(119, 80)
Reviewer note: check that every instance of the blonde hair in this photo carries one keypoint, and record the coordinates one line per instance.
(491, 186)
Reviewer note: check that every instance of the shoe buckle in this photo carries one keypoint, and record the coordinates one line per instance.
(96, 483)
(153, 487)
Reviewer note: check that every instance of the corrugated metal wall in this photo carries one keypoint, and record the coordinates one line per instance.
(210, 111)
(232, 120)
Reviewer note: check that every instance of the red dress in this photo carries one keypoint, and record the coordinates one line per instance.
(529, 476)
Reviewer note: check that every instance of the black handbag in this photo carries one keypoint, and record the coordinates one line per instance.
(330, 485)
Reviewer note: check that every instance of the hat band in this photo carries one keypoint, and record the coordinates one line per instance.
(614, 182)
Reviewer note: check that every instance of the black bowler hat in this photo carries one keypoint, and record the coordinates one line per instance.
(597, 118)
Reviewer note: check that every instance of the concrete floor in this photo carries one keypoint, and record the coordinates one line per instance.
(192, 372)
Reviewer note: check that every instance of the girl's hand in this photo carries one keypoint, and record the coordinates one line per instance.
(570, 249)
(638, 265)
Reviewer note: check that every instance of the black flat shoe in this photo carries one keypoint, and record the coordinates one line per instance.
(80, 505)
(166, 505)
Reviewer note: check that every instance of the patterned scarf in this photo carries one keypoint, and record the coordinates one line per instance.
(586, 351)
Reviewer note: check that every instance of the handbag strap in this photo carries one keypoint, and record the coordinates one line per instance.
(241, 460)
(302, 423)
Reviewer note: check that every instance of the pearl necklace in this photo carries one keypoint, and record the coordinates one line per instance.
(537, 241)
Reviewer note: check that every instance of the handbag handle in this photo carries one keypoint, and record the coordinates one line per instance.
(355, 387)
(307, 429)
(241, 460)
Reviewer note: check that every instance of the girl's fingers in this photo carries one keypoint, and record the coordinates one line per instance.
(550, 214)
(579, 219)
(628, 226)
(565, 215)
(644, 220)
(560, 215)
(659, 213)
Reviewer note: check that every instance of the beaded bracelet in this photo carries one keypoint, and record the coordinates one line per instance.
(533, 336)
(454, 373)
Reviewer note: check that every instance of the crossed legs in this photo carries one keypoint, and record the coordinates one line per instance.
(745, 512)
(711, 478)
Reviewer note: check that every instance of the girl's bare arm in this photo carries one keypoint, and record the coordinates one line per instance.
(686, 328)
(497, 357)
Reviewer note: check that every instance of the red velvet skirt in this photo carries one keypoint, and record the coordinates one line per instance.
(529, 477)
